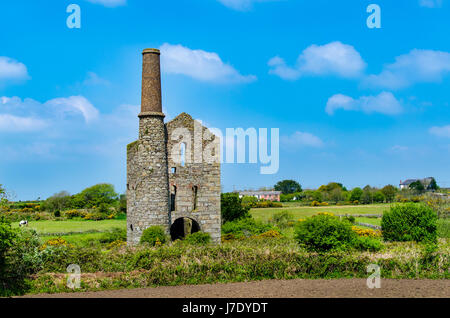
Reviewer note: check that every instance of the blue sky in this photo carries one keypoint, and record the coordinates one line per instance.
(354, 105)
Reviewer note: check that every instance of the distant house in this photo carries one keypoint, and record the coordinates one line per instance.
(262, 195)
(405, 184)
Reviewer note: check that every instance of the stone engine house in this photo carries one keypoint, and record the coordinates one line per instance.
(173, 169)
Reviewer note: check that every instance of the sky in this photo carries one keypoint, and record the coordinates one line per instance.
(353, 104)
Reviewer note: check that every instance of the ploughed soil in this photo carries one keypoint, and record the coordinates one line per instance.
(298, 288)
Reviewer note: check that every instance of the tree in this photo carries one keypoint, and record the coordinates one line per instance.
(98, 194)
(379, 197)
(389, 192)
(337, 195)
(356, 194)
(58, 202)
(3, 196)
(418, 186)
(331, 186)
(123, 203)
(231, 207)
(288, 186)
(367, 196)
(433, 185)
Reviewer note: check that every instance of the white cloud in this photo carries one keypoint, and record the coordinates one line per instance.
(75, 105)
(280, 69)
(334, 58)
(200, 65)
(57, 129)
(11, 69)
(384, 103)
(11, 123)
(109, 3)
(17, 115)
(443, 131)
(302, 139)
(241, 5)
(418, 66)
(430, 3)
(93, 79)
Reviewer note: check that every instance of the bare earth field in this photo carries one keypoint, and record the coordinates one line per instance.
(299, 288)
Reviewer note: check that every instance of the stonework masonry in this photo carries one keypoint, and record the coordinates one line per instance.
(161, 189)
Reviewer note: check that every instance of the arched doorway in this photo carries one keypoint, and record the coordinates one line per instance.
(182, 227)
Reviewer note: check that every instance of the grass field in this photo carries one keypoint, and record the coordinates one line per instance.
(79, 231)
(57, 227)
(300, 212)
(77, 239)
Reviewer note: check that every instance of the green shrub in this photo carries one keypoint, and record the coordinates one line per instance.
(95, 216)
(409, 222)
(198, 238)
(282, 219)
(249, 201)
(232, 208)
(325, 232)
(74, 214)
(268, 204)
(245, 228)
(22, 258)
(116, 234)
(25, 256)
(103, 209)
(366, 243)
(350, 218)
(57, 214)
(153, 235)
(7, 236)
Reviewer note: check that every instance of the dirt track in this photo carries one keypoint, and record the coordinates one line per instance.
(283, 289)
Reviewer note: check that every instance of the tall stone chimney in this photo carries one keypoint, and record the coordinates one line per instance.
(147, 163)
(151, 83)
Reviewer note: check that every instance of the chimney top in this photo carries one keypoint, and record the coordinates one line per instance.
(151, 104)
(151, 51)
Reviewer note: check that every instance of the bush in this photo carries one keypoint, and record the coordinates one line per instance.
(269, 234)
(409, 222)
(22, 258)
(231, 207)
(245, 228)
(198, 238)
(317, 203)
(56, 242)
(268, 204)
(367, 243)
(154, 235)
(7, 236)
(95, 216)
(116, 234)
(350, 218)
(249, 201)
(25, 257)
(282, 219)
(325, 232)
(74, 214)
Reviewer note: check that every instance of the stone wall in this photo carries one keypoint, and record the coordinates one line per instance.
(147, 175)
(202, 175)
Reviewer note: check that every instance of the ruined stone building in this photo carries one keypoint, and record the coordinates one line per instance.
(173, 171)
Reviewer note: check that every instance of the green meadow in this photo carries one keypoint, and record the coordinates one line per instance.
(80, 231)
(301, 212)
